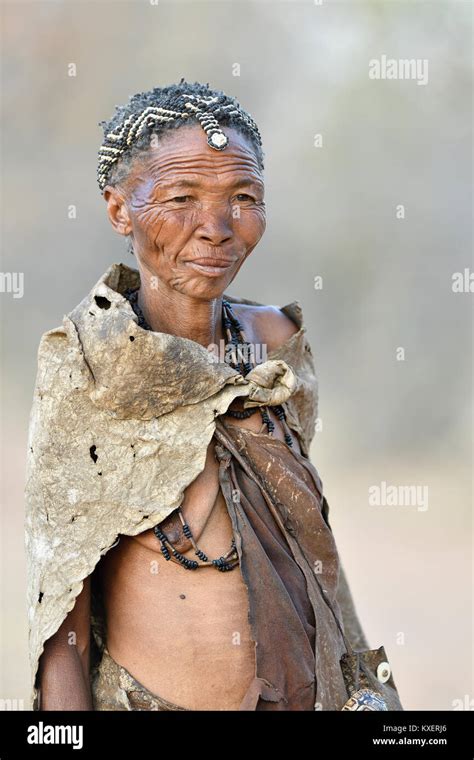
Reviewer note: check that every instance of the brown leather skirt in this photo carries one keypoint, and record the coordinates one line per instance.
(114, 688)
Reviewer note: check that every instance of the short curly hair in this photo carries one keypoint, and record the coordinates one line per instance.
(128, 133)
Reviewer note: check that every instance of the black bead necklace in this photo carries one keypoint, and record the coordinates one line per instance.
(226, 562)
(236, 337)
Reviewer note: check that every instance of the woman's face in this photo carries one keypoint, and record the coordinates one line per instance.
(190, 208)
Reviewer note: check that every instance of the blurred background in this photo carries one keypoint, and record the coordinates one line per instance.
(302, 70)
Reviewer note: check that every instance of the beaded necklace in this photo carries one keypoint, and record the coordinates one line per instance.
(237, 338)
(240, 363)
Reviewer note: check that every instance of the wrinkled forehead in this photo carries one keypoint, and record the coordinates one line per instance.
(184, 153)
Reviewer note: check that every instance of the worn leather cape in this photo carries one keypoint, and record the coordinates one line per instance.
(120, 424)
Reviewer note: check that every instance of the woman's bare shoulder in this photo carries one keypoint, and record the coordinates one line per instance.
(266, 324)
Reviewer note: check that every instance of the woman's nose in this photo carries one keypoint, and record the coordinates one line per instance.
(216, 225)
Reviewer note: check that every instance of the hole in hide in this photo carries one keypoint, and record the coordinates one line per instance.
(102, 302)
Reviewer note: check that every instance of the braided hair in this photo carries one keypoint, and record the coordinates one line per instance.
(128, 132)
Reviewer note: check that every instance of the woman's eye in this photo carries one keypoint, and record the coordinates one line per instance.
(244, 197)
(179, 199)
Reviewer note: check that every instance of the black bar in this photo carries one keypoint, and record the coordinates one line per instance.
(198, 734)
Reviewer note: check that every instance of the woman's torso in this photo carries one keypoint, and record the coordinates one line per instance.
(184, 634)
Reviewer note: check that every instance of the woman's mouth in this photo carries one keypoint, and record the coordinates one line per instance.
(209, 266)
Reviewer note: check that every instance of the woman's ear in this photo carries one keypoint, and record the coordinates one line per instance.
(117, 210)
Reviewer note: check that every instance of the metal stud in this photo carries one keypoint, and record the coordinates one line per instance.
(384, 672)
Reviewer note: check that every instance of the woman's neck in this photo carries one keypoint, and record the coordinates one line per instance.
(175, 313)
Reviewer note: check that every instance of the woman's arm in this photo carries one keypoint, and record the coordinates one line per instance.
(64, 682)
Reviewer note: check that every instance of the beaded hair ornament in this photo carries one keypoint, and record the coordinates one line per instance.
(204, 110)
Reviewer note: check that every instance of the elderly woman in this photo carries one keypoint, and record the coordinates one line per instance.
(180, 555)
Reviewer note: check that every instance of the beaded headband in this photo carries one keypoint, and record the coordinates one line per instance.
(120, 140)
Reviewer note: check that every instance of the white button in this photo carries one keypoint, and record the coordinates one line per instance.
(383, 672)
